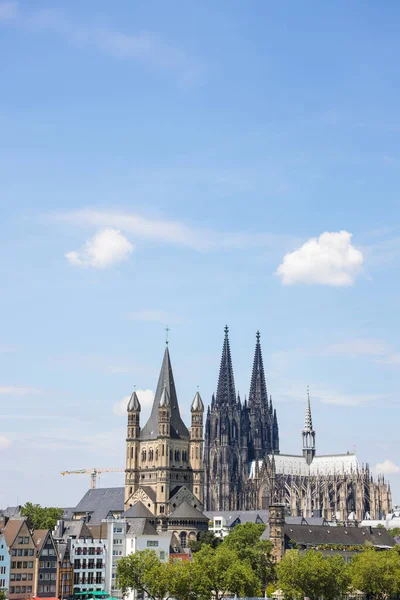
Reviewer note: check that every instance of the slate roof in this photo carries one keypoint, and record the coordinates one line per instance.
(308, 535)
(138, 510)
(187, 511)
(178, 429)
(245, 516)
(12, 512)
(99, 502)
(72, 528)
(141, 526)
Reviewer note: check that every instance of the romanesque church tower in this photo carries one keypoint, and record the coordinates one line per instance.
(236, 433)
(164, 460)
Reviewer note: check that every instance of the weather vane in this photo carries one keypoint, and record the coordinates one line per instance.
(167, 330)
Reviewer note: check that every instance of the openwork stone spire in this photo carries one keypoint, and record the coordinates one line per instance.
(258, 395)
(226, 384)
(308, 420)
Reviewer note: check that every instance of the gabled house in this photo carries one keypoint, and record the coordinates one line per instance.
(22, 552)
(47, 564)
(65, 571)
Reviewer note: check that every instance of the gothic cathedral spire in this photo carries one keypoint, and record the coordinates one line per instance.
(308, 433)
(226, 394)
(258, 395)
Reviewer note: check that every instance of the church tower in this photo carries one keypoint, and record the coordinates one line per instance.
(263, 432)
(160, 471)
(196, 446)
(223, 440)
(132, 446)
(308, 434)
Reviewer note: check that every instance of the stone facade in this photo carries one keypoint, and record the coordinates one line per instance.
(245, 470)
(164, 460)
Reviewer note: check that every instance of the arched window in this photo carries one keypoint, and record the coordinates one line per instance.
(143, 455)
(131, 451)
(156, 453)
(163, 448)
(151, 454)
(197, 452)
(183, 538)
(178, 456)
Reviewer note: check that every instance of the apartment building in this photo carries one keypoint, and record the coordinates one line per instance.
(4, 564)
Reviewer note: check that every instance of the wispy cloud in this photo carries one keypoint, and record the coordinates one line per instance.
(360, 347)
(145, 47)
(157, 316)
(330, 259)
(4, 442)
(168, 232)
(324, 395)
(15, 390)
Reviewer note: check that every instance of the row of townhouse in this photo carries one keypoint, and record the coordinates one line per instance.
(50, 564)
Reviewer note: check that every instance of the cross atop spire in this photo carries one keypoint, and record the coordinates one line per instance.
(226, 384)
(167, 330)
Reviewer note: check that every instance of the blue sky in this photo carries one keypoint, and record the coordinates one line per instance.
(194, 164)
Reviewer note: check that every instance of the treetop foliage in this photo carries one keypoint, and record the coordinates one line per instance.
(40, 517)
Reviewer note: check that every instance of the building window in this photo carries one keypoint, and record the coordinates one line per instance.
(183, 539)
(162, 554)
(152, 543)
(20, 540)
(143, 455)
(151, 454)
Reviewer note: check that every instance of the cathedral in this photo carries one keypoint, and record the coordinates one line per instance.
(245, 470)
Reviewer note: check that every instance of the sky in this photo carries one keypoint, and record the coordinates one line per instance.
(191, 165)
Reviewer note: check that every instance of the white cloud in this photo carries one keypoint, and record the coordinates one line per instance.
(145, 47)
(168, 232)
(15, 390)
(387, 467)
(105, 249)
(8, 11)
(330, 259)
(157, 316)
(4, 442)
(146, 398)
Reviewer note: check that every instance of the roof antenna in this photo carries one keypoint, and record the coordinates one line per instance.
(167, 330)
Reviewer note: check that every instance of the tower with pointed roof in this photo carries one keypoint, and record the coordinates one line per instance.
(308, 434)
(164, 461)
(132, 446)
(237, 433)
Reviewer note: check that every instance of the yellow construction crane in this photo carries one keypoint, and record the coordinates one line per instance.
(93, 474)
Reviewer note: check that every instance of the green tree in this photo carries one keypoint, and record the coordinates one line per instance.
(394, 532)
(3, 595)
(183, 585)
(220, 571)
(376, 573)
(245, 541)
(312, 575)
(41, 517)
(206, 538)
(143, 571)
